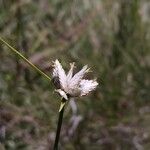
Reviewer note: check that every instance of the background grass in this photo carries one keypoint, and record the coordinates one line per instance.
(112, 37)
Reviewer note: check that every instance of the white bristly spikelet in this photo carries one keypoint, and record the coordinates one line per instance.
(87, 86)
(72, 85)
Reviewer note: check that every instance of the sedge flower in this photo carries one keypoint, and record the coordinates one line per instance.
(71, 85)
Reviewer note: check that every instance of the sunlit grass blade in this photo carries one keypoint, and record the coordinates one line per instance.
(25, 59)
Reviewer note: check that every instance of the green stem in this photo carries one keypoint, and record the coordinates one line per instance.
(60, 119)
(25, 59)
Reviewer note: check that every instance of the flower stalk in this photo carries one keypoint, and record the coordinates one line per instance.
(60, 119)
(25, 59)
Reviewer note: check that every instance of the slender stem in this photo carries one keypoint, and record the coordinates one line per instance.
(25, 59)
(58, 128)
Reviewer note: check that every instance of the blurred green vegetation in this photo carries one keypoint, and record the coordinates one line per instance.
(112, 37)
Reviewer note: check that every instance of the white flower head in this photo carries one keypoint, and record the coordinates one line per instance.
(69, 85)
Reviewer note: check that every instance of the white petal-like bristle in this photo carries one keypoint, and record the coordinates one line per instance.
(70, 73)
(87, 86)
(74, 82)
(58, 71)
(55, 71)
